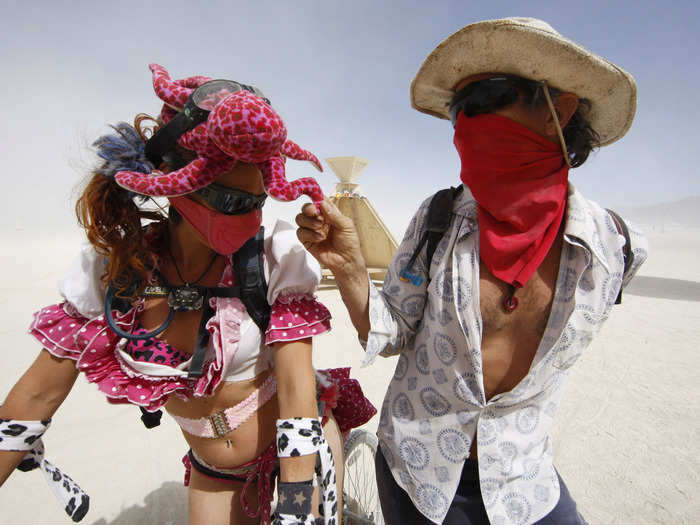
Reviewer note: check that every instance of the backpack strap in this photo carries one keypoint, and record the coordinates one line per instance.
(249, 271)
(250, 286)
(627, 255)
(437, 221)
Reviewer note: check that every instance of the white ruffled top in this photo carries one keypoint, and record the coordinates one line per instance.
(237, 349)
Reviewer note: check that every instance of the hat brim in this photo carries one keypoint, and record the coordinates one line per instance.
(514, 47)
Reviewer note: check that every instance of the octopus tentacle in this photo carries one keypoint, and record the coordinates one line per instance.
(169, 91)
(294, 151)
(190, 82)
(197, 174)
(193, 82)
(278, 187)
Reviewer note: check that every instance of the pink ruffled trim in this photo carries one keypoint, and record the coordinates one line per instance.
(224, 329)
(294, 297)
(55, 328)
(297, 316)
(96, 349)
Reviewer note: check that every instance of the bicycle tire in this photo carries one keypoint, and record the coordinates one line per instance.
(360, 498)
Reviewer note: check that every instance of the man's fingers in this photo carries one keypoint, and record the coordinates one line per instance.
(333, 215)
(308, 237)
(311, 223)
(309, 210)
(303, 236)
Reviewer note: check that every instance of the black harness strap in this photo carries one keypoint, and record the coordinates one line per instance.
(439, 214)
(437, 221)
(200, 347)
(627, 255)
(250, 286)
(249, 271)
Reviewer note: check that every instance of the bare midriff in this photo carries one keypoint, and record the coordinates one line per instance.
(241, 445)
(510, 339)
(249, 439)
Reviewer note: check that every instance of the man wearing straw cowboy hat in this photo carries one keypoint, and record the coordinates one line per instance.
(488, 324)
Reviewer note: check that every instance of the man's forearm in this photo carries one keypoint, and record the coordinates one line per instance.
(354, 290)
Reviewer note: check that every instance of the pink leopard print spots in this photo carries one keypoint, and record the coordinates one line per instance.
(245, 127)
(172, 93)
(241, 127)
(198, 140)
(154, 351)
(198, 173)
(296, 152)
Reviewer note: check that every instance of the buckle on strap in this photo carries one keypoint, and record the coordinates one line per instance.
(219, 424)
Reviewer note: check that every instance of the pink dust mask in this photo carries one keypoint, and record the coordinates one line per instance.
(225, 234)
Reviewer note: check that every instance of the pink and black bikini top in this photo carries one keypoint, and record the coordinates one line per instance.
(154, 351)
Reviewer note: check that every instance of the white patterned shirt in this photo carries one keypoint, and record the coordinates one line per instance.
(436, 406)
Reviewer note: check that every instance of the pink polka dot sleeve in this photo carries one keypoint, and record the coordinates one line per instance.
(57, 327)
(296, 316)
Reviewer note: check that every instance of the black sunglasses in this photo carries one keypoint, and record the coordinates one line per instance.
(485, 96)
(162, 146)
(230, 201)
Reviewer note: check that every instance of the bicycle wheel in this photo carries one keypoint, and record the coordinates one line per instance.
(361, 501)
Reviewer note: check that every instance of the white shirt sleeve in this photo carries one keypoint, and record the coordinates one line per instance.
(393, 325)
(81, 285)
(292, 269)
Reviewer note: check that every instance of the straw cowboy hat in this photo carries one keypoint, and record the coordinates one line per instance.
(528, 48)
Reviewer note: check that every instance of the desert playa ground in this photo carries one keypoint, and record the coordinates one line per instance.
(627, 438)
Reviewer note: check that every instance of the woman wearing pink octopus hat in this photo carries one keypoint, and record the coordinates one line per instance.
(197, 312)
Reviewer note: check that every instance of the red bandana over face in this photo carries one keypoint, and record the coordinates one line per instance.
(519, 180)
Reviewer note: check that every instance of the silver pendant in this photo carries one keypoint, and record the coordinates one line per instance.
(185, 298)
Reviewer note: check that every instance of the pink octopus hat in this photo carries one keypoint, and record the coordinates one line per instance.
(240, 128)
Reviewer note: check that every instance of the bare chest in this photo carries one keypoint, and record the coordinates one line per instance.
(510, 339)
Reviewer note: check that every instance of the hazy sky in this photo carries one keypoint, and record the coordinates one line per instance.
(337, 72)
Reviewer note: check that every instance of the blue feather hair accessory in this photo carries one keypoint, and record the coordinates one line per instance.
(122, 152)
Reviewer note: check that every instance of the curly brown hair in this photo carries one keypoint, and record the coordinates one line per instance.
(114, 225)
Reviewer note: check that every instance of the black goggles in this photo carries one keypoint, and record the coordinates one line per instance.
(488, 95)
(230, 201)
(162, 145)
